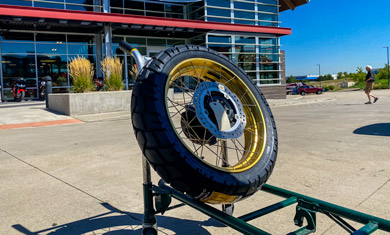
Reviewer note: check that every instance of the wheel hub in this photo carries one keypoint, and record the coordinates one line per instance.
(208, 99)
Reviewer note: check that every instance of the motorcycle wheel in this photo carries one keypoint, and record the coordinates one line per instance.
(181, 135)
(19, 96)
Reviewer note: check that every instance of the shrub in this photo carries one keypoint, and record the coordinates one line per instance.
(81, 71)
(112, 69)
(359, 76)
(291, 79)
(329, 88)
(325, 77)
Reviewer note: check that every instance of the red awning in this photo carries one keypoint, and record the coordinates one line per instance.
(45, 13)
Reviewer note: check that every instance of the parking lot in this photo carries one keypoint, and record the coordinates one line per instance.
(86, 178)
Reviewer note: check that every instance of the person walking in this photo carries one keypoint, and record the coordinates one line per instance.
(370, 80)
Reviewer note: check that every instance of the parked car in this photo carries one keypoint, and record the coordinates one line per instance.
(303, 90)
(291, 88)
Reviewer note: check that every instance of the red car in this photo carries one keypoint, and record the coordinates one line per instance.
(303, 90)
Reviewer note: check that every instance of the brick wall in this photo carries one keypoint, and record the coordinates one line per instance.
(278, 91)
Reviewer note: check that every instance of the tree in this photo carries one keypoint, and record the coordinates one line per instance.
(359, 76)
(291, 79)
(325, 77)
(382, 73)
(340, 75)
(346, 75)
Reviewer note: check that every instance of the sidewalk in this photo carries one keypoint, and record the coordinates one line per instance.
(34, 113)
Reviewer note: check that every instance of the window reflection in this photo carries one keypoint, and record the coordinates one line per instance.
(17, 66)
(16, 47)
(55, 67)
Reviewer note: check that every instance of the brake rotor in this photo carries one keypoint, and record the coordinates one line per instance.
(206, 98)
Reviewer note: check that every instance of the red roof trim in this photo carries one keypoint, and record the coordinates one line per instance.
(35, 12)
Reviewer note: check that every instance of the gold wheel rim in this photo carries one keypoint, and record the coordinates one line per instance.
(244, 152)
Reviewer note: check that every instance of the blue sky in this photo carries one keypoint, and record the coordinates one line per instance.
(340, 35)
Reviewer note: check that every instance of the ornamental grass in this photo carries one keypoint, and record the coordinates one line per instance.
(81, 71)
(112, 69)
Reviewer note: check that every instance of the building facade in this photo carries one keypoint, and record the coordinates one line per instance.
(40, 37)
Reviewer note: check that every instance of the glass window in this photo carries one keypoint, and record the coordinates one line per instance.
(219, 3)
(51, 48)
(220, 39)
(221, 20)
(250, 59)
(269, 66)
(269, 1)
(135, 12)
(198, 40)
(156, 42)
(269, 58)
(136, 41)
(154, 9)
(81, 39)
(88, 2)
(247, 66)
(20, 37)
(273, 9)
(117, 39)
(268, 49)
(270, 82)
(51, 38)
(252, 75)
(220, 48)
(175, 42)
(49, 5)
(245, 40)
(27, 3)
(249, 22)
(116, 3)
(218, 12)
(174, 11)
(244, 15)
(268, 17)
(138, 7)
(244, 6)
(245, 48)
(17, 66)
(79, 7)
(271, 24)
(269, 75)
(15, 47)
(55, 67)
(196, 10)
(81, 49)
(116, 50)
(269, 41)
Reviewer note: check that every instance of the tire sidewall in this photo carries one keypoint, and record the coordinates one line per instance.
(254, 177)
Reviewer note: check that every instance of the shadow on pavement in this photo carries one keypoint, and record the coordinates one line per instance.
(118, 222)
(379, 129)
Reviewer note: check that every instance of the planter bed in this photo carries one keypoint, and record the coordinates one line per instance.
(90, 103)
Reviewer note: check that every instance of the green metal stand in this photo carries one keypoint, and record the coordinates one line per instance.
(306, 210)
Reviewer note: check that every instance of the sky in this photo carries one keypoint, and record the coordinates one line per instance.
(340, 35)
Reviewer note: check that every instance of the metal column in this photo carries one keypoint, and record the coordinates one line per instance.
(107, 30)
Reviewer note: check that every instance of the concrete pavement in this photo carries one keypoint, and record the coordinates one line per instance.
(85, 178)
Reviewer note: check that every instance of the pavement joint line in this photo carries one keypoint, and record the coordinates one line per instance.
(360, 203)
(53, 176)
(39, 124)
(379, 188)
(115, 209)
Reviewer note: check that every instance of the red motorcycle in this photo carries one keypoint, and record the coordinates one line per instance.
(19, 90)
